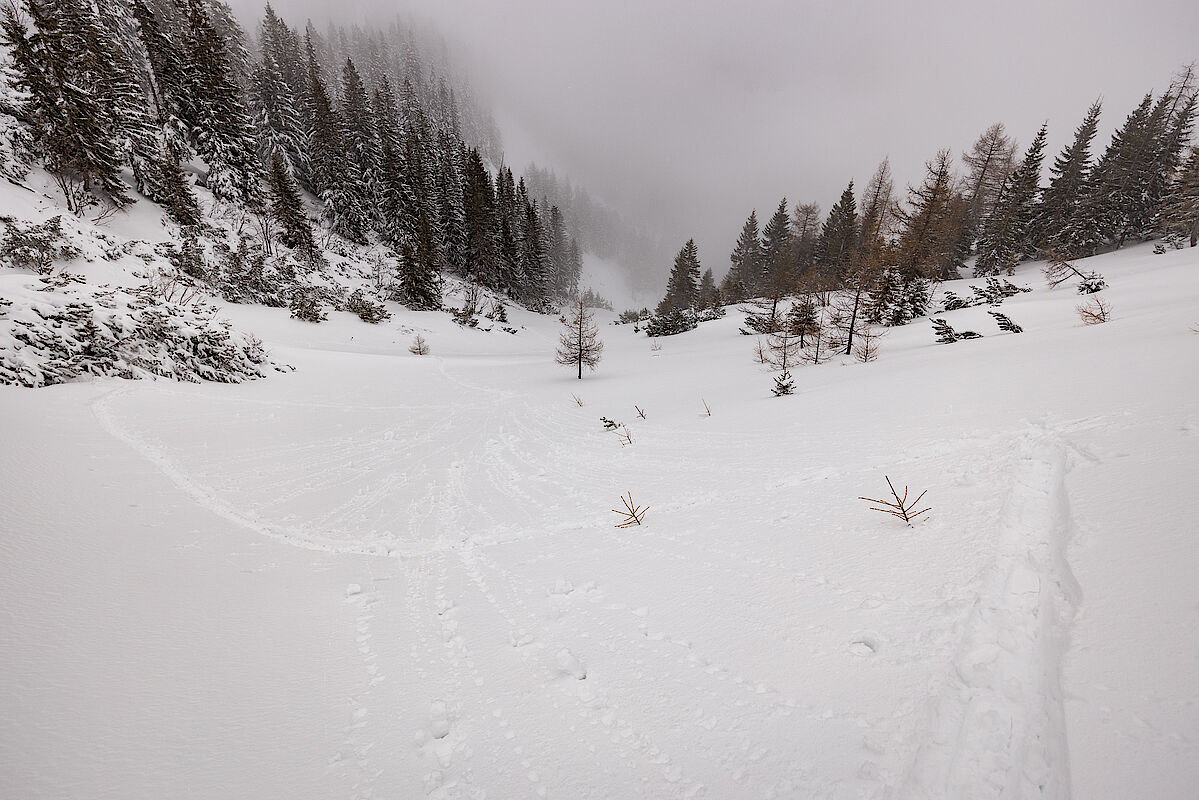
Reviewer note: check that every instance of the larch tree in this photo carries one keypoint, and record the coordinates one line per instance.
(579, 345)
(988, 164)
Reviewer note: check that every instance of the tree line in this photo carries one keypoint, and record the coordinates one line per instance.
(884, 252)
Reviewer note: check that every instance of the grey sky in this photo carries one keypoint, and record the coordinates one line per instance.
(689, 114)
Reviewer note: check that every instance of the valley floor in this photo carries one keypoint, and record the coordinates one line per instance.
(391, 576)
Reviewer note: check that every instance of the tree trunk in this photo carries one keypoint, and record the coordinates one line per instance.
(853, 320)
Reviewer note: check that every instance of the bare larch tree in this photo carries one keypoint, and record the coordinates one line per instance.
(580, 343)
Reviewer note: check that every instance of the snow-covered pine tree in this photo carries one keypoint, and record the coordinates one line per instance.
(451, 204)
(173, 192)
(287, 209)
(419, 279)
(482, 224)
(361, 141)
(329, 168)
(1005, 323)
(777, 274)
(1118, 202)
(1007, 233)
(222, 132)
(80, 145)
(276, 116)
(1180, 212)
(1067, 184)
(399, 211)
(781, 352)
(944, 332)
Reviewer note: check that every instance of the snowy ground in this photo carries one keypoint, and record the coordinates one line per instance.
(387, 576)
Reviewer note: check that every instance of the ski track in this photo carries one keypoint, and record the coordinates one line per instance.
(997, 728)
(364, 774)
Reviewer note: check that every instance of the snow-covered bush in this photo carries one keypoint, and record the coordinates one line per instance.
(35, 247)
(671, 323)
(367, 309)
(947, 335)
(67, 330)
(306, 305)
(16, 149)
(1092, 283)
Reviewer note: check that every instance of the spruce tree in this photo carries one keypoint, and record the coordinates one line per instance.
(776, 240)
(287, 209)
(222, 131)
(80, 142)
(838, 238)
(1067, 182)
(1007, 236)
(420, 282)
(482, 251)
(1119, 199)
(362, 147)
(682, 288)
(708, 294)
(927, 244)
(744, 275)
(329, 169)
(1180, 212)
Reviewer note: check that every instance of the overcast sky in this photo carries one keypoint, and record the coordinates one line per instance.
(689, 114)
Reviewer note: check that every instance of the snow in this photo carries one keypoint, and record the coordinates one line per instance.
(392, 576)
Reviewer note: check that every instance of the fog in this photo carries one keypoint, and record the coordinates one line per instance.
(688, 114)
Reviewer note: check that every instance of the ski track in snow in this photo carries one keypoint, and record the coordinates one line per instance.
(997, 728)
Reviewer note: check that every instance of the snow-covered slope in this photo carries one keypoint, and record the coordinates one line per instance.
(392, 576)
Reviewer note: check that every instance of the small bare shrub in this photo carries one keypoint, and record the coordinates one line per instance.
(632, 514)
(1094, 312)
(900, 507)
(866, 348)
